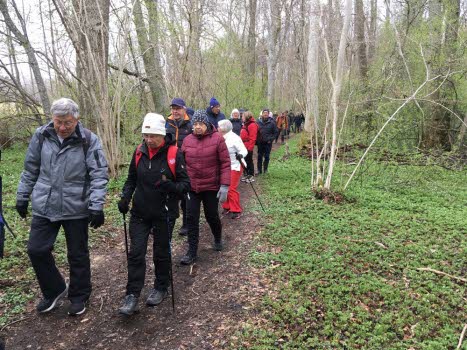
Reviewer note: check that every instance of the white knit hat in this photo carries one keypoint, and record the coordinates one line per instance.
(153, 124)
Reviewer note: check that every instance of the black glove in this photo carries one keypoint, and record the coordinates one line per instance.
(22, 208)
(123, 205)
(239, 156)
(96, 218)
(166, 186)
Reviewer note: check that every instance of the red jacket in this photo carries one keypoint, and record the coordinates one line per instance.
(207, 161)
(249, 133)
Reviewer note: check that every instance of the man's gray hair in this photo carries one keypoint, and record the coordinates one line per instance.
(225, 125)
(63, 107)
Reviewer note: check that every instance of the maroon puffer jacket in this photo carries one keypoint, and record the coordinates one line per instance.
(207, 161)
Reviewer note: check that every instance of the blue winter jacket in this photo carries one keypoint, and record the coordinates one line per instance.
(214, 119)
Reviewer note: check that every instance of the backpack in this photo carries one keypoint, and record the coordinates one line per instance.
(171, 157)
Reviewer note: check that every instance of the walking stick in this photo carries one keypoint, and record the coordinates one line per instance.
(170, 248)
(126, 237)
(243, 165)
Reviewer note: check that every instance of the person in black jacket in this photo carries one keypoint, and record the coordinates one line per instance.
(236, 121)
(155, 186)
(214, 112)
(267, 134)
(179, 125)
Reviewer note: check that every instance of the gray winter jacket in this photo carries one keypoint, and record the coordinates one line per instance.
(63, 185)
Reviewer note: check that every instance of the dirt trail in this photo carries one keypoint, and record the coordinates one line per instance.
(211, 302)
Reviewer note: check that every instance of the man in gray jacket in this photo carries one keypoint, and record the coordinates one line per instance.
(64, 177)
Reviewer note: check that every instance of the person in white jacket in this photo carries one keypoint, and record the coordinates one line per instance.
(237, 151)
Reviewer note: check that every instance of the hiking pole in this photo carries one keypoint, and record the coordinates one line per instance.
(126, 237)
(243, 165)
(169, 232)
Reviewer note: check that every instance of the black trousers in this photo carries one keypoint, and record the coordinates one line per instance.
(250, 167)
(40, 246)
(211, 213)
(139, 235)
(264, 151)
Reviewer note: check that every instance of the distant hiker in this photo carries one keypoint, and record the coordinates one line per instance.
(208, 166)
(282, 126)
(249, 134)
(179, 126)
(299, 120)
(267, 133)
(237, 152)
(156, 180)
(236, 121)
(65, 178)
(214, 112)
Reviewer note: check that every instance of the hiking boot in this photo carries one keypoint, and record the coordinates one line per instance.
(218, 246)
(236, 215)
(130, 304)
(188, 259)
(46, 305)
(183, 231)
(156, 297)
(225, 211)
(77, 308)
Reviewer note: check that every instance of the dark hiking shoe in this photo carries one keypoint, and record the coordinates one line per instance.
(188, 259)
(218, 246)
(76, 309)
(183, 231)
(225, 211)
(46, 305)
(236, 215)
(130, 304)
(156, 297)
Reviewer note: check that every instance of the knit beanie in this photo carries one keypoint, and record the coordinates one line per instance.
(200, 116)
(213, 102)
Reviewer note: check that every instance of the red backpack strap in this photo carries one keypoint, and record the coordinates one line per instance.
(172, 159)
(138, 155)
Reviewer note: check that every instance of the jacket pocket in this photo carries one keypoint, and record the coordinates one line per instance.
(40, 197)
(73, 203)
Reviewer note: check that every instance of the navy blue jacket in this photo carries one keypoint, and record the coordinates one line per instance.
(214, 119)
(236, 125)
(267, 131)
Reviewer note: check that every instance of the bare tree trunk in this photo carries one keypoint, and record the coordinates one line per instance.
(360, 37)
(251, 47)
(372, 31)
(149, 51)
(23, 39)
(337, 85)
(273, 48)
(312, 84)
(88, 29)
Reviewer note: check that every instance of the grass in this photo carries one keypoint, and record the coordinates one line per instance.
(345, 276)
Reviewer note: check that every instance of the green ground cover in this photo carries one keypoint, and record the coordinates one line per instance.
(345, 275)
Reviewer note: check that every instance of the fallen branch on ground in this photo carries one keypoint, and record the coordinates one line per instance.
(461, 338)
(442, 273)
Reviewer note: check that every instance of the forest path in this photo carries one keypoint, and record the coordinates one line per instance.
(211, 299)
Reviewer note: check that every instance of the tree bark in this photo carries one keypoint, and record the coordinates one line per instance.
(150, 54)
(360, 37)
(251, 47)
(337, 85)
(273, 48)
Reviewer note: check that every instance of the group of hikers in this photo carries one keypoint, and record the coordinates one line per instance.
(185, 160)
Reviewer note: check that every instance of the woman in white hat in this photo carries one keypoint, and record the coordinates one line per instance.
(156, 179)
